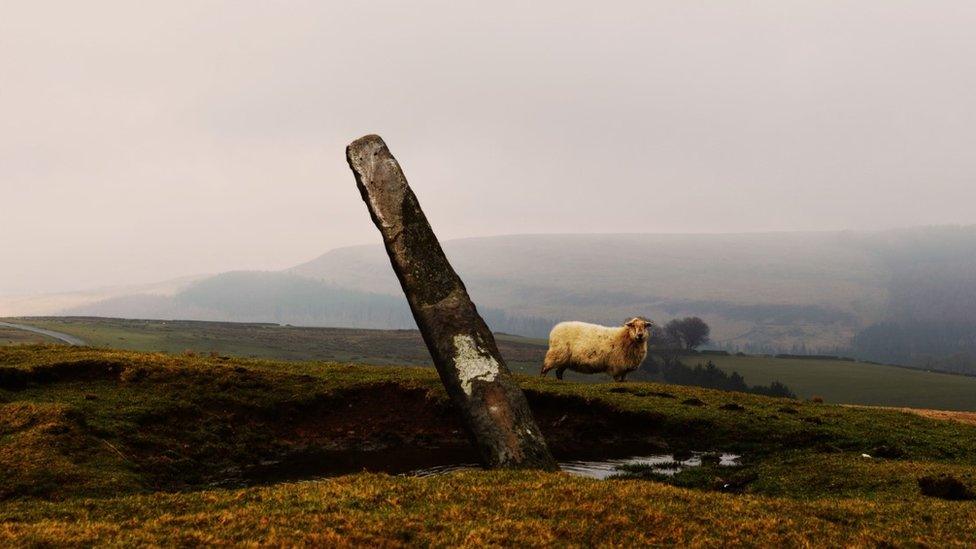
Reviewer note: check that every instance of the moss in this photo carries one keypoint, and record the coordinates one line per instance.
(514, 509)
(91, 439)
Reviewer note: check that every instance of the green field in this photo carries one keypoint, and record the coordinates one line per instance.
(849, 382)
(122, 448)
(13, 336)
(249, 340)
(840, 382)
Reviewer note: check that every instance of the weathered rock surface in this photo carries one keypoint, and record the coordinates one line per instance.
(492, 406)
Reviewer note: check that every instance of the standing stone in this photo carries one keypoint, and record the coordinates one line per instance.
(493, 408)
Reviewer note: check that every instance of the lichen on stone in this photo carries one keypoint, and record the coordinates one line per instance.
(473, 362)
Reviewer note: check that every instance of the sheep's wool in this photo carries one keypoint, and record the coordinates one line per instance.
(591, 348)
(472, 363)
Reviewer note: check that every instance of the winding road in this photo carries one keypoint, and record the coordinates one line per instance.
(69, 339)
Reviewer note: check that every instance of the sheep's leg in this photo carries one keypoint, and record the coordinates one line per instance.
(559, 372)
(620, 378)
(553, 358)
(547, 364)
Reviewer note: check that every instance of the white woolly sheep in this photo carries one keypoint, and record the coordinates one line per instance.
(591, 348)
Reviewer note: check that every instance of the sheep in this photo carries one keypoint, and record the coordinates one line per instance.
(591, 348)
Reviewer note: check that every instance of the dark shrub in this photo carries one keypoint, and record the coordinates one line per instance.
(945, 487)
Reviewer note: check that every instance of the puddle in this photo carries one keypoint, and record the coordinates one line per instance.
(428, 462)
(664, 464)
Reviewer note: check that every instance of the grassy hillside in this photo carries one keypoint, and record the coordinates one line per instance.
(849, 382)
(774, 268)
(97, 448)
(513, 510)
(13, 336)
(748, 286)
(902, 296)
(775, 289)
(842, 382)
(252, 340)
(758, 291)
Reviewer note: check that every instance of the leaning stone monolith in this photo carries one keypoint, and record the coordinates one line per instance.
(492, 406)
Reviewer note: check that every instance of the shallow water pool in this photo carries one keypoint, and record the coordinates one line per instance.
(664, 464)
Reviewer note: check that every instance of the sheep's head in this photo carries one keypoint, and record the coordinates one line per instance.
(638, 329)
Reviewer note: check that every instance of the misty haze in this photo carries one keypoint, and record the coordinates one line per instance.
(756, 219)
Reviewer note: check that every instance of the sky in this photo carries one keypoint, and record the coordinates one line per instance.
(142, 141)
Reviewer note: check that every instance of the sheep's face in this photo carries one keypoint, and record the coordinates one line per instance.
(638, 329)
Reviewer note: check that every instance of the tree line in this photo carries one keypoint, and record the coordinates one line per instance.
(676, 339)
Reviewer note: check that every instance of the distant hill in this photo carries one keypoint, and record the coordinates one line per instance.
(777, 290)
(803, 292)
(774, 292)
(565, 274)
(285, 298)
(50, 304)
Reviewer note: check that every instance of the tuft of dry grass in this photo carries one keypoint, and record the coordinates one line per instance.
(121, 448)
(518, 509)
(968, 418)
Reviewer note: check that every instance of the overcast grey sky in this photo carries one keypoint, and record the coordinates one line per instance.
(140, 141)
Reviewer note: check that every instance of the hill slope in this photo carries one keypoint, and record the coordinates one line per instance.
(115, 447)
(285, 298)
(837, 381)
(901, 296)
(777, 291)
(736, 280)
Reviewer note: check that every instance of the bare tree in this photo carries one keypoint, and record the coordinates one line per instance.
(671, 335)
(688, 332)
(664, 343)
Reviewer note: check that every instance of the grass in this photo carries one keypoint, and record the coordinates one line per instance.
(13, 336)
(514, 509)
(850, 382)
(841, 382)
(118, 447)
(380, 347)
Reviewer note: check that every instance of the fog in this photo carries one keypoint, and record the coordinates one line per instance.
(145, 141)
